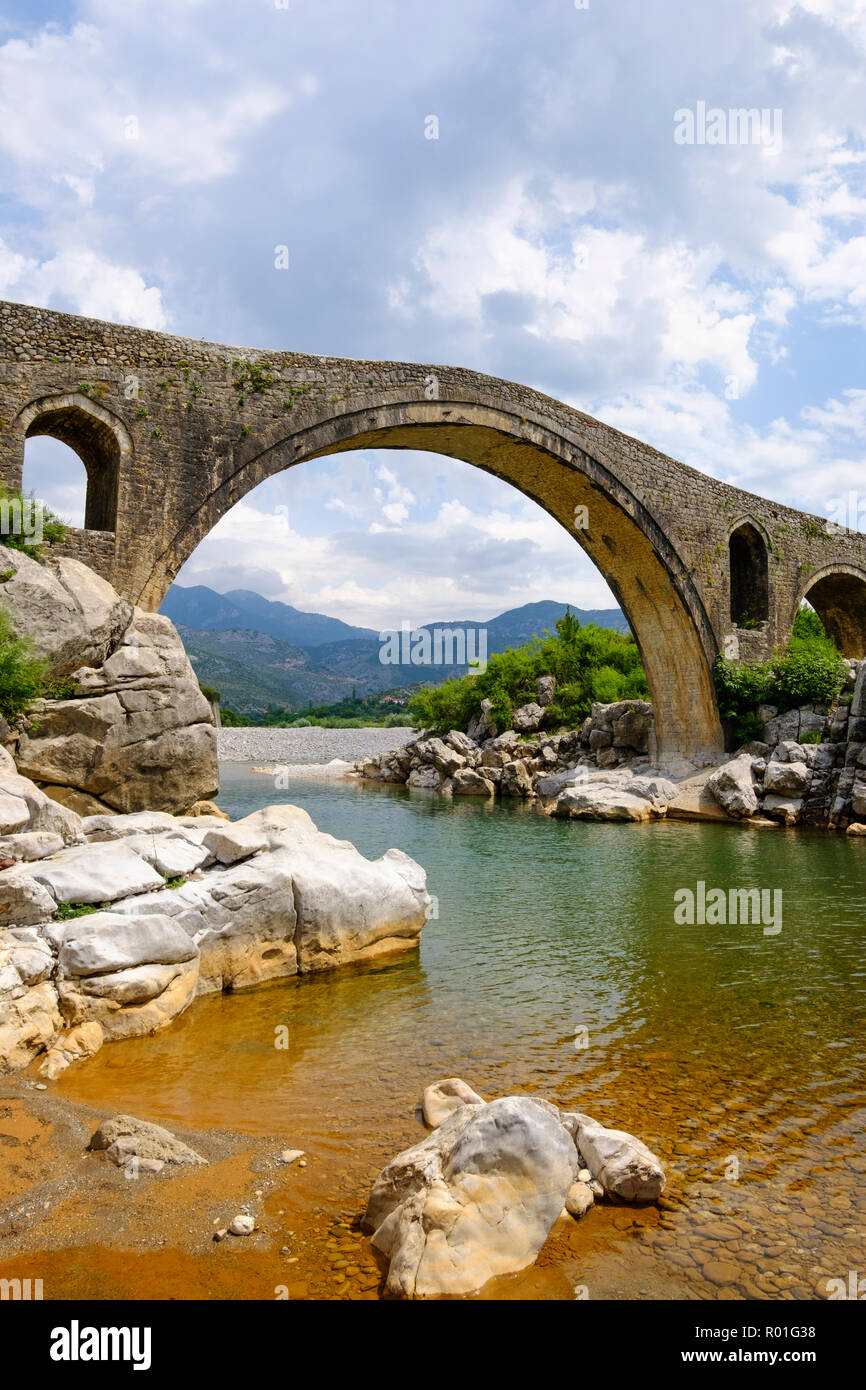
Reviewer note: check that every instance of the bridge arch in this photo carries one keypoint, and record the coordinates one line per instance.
(98, 437)
(651, 581)
(749, 569)
(837, 592)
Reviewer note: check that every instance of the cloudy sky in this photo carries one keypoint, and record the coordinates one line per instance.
(709, 297)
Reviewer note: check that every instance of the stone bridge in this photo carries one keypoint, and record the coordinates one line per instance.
(174, 431)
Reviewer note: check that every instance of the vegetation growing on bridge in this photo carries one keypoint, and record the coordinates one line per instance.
(811, 670)
(590, 663)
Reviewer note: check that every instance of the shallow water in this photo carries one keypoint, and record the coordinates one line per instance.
(554, 965)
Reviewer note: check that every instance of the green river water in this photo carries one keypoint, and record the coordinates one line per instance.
(554, 965)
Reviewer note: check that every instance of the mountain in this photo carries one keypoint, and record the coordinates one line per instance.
(253, 667)
(253, 670)
(201, 608)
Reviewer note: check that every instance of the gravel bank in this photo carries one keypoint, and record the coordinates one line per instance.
(301, 746)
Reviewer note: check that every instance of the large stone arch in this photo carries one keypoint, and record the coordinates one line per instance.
(837, 592)
(638, 561)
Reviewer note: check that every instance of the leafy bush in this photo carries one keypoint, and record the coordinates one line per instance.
(810, 671)
(66, 911)
(21, 673)
(590, 663)
(741, 686)
(230, 719)
(12, 501)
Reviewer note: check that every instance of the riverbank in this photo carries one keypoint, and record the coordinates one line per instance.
(313, 746)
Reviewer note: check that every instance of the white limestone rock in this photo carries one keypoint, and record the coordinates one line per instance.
(475, 1199)
(172, 855)
(442, 1098)
(231, 843)
(468, 782)
(528, 717)
(14, 813)
(31, 844)
(732, 786)
(84, 1040)
(121, 827)
(30, 1019)
(788, 778)
(124, 1136)
(96, 873)
(579, 1199)
(786, 809)
(108, 941)
(43, 813)
(623, 1165)
(605, 801)
(136, 985)
(71, 615)
(350, 908)
(23, 899)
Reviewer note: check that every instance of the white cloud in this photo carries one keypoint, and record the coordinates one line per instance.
(82, 282)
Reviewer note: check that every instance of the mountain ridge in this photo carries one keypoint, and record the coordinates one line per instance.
(253, 668)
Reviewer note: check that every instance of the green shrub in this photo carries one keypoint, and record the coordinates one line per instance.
(589, 663)
(21, 673)
(805, 677)
(741, 686)
(747, 727)
(810, 671)
(66, 911)
(230, 719)
(53, 529)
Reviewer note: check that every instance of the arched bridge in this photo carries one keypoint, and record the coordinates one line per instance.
(173, 432)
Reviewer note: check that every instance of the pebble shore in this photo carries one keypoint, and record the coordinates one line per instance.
(291, 747)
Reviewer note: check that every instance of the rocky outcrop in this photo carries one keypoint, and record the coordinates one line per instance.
(135, 730)
(604, 770)
(95, 946)
(733, 787)
(479, 1196)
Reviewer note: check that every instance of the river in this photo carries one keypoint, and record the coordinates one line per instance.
(554, 965)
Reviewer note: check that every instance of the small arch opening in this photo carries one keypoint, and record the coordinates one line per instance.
(750, 577)
(839, 599)
(98, 448)
(55, 475)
